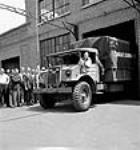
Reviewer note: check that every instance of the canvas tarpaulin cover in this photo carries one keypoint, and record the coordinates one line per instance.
(111, 51)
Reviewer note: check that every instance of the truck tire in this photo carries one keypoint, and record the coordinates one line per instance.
(82, 96)
(46, 101)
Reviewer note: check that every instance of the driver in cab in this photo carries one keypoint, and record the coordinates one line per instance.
(85, 62)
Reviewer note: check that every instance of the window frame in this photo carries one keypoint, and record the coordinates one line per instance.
(55, 46)
(65, 6)
(93, 2)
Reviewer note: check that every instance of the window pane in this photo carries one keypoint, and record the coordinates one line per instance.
(57, 41)
(52, 8)
(85, 2)
(57, 48)
(53, 45)
(46, 10)
(46, 48)
(61, 7)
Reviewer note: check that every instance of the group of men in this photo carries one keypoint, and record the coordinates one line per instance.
(16, 86)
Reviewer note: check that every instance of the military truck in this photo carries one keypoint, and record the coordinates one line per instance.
(63, 77)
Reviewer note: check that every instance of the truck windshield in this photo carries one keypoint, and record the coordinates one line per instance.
(65, 59)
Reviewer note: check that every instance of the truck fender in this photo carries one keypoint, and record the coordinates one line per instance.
(90, 81)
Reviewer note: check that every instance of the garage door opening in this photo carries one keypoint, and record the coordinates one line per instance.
(11, 63)
(124, 31)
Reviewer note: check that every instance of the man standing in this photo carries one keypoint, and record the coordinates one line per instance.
(33, 73)
(29, 87)
(7, 88)
(22, 89)
(4, 81)
(16, 88)
(37, 76)
(10, 89)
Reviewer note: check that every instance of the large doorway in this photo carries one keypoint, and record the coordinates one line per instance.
(11, 63)
(125, 31)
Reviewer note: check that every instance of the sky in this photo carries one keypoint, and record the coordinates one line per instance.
(10, 20)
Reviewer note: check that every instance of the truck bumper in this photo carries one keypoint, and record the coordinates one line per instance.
(53, 91)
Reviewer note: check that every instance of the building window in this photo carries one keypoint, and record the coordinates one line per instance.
(88, 2)
(53, 45)
(61, 7)
(45, 10)
(85, 2)
(50, 9)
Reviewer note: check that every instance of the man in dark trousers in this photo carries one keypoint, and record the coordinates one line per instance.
(16, 87)
(4, 81)
(29, 87)
(7, 88)
(22, 90)
(10, 89)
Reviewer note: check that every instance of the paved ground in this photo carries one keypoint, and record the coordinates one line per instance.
(108, 126)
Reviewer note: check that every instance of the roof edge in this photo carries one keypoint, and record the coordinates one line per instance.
(13, 29)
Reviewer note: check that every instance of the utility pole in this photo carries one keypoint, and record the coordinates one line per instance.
(37, 35)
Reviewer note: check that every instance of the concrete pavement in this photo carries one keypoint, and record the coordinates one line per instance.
(111, 126)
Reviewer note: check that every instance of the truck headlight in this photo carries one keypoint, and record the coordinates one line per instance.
(68, 73)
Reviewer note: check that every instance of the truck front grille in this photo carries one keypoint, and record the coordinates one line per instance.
(54, 77)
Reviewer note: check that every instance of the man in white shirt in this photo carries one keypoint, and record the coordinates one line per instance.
(85, 63)
(4, 81)
(4, 78)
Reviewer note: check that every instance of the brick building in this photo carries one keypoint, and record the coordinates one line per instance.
(11, 46)
(85, 18)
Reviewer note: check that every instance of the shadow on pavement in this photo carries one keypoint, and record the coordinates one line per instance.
(18, 118)
(66, 107)
(117, 99)
(127, 102)
(59, 108)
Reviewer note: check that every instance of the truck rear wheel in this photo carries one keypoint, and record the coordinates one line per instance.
(82, 96)
(47, 101)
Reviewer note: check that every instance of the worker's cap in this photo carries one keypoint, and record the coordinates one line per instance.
(7, 70)
(22, 68)
(2, 69)
(33, 70)
(86, 54)
(43, 68)
(28, 69)
(38, 66)
(16, 70)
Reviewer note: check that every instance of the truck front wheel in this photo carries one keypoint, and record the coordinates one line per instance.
(82, 96)
(47, 101)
